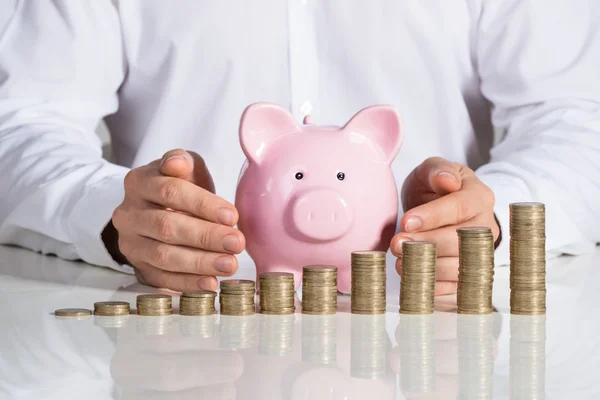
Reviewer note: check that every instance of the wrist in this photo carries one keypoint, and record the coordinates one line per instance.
(110, 238)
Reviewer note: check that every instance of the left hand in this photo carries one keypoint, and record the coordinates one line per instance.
(440, 196)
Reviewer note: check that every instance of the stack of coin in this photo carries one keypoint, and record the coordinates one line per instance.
(319, 289)
(76, 313)
(200, 302)
(154, 304)
(237, 297)
(475, 270)
(527, 259)
(277, 293)
(417, 282)
(111, 308)
(368, 282)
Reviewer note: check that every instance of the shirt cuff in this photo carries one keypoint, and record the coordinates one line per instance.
(91, 214)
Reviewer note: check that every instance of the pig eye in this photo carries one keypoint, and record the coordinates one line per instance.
(299, 175)
(341, 176)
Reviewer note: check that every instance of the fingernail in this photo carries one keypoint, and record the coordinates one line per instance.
(447, 175)
(413, 224)
(398, 245)
(224, 264)
(231, 243)
(226, 216)
(171, 158)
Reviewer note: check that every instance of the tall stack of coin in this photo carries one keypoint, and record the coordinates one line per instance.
(111, 308)
(368, 282)
(319, 289)
(237, 297)
(417, 283)
(475, 270)
(475, 356)
(200, 302)
(527, 259)
(277, 293)
(154, 304)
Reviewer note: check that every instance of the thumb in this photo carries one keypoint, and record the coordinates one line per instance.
(187, 165)
(440, 176)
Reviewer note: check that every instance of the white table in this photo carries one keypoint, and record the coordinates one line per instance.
(445, 356)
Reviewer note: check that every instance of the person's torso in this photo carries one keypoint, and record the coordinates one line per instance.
(193, 67)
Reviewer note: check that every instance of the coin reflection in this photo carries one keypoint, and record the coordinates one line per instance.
(417, 353)
(155, 325)
(237, 332)
(319, 336)
(527, 366)
(113, 321)
(201, 326)
(276, 334)
(475, 356)
(368, 346)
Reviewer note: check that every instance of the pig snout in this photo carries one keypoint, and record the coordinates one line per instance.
(321, 214)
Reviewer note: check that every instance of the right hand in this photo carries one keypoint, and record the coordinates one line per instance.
(173, 229)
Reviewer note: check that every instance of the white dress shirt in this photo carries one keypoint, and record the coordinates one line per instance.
(169, 74)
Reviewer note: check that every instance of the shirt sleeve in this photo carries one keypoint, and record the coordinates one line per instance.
(538, 62)
(61, 65)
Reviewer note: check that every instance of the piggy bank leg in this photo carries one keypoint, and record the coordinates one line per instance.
(279, 268)
(344, 279)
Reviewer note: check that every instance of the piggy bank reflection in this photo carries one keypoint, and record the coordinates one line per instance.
(312, 194)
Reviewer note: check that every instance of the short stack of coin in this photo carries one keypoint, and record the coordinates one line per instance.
(368, 282)
(527, 259)
(277, 293)
(319, 289)
(154, 304)
(200, 302)
(417, 283)
(237, 297)
(475, 270)
(111, 308)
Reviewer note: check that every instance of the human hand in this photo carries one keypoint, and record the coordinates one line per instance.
(172, 227)
(440, 196)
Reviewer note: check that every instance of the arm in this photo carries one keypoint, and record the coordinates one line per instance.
(539, 63)
(61, 65)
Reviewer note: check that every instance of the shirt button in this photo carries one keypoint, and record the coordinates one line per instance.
(306, 107)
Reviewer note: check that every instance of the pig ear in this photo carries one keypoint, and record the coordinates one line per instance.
(260, 124)
(382, 125)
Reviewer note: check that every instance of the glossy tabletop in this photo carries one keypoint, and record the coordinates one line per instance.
(343, 356)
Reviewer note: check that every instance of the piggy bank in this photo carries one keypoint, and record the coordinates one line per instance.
(311, 194)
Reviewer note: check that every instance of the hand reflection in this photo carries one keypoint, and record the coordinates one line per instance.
(174, 357)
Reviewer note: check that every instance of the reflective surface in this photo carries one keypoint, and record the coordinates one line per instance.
(343, 356)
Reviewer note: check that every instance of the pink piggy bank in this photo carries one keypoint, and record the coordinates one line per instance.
(313, 194)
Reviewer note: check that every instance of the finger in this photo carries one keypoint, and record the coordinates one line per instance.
(446, 268)
(445, 239)
(180, 229)
(472, 200)
(181, 195)
(152, 276)
(445, 287)
(187, 165)
(179, 258)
